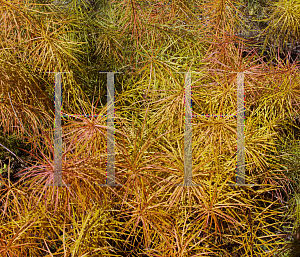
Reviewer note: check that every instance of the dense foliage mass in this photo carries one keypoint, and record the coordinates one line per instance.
(150, 42)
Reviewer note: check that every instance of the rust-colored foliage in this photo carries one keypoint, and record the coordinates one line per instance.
(150, 41)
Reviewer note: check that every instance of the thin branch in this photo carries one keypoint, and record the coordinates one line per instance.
(12, 153)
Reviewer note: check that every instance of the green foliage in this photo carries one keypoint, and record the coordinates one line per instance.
(283, 27)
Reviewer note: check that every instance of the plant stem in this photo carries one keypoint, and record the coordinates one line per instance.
(12, 153)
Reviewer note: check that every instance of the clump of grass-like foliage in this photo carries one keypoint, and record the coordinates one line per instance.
(150, 42)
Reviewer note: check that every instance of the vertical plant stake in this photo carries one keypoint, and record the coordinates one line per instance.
(188, 156)
(240, 169)
(57, 132)
(240, 163)
(188, 131)
(110, 130)
(110, 175)
(57, 180)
